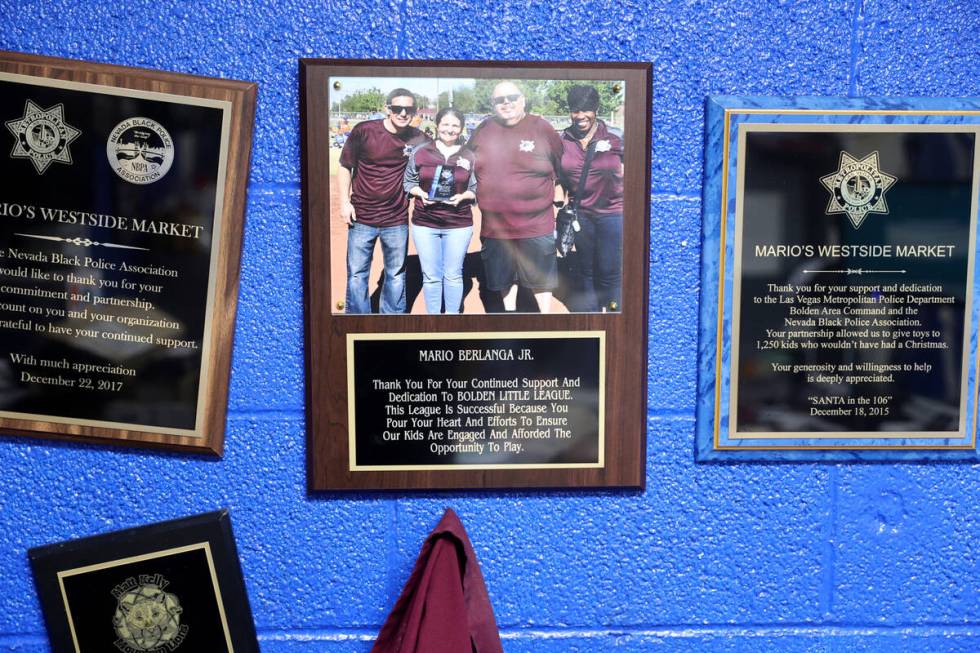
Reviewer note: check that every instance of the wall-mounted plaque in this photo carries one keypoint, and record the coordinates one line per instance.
(838, 308)
(174, 586)
(450, 343)
(121, 219)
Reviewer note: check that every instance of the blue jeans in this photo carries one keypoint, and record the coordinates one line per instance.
(441, 254)
(600, 262)
(360, 251)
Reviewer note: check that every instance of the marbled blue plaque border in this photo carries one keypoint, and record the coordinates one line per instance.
(723, 115)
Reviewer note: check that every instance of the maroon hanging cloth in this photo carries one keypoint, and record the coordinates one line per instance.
(444, 607)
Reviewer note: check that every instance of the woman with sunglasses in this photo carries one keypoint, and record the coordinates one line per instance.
(597, 199)
(440, 177)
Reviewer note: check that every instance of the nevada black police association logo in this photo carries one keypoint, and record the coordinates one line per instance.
(42, 135)
(140, 150)
(147, 618)
(858, 187)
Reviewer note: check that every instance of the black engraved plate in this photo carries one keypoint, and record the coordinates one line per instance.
(107, 227)
(476, 402)
(853, 289)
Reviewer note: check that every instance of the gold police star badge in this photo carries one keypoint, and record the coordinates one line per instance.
(42, 135)
(858, 187)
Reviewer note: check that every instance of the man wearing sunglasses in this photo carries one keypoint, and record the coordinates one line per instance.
(373, 202)
(518, 155)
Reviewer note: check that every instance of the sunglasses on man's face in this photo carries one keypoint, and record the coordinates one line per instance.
(501, 99)
(394, 108)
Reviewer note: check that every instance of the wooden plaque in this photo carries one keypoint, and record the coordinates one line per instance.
(121, 223)
(528, 375)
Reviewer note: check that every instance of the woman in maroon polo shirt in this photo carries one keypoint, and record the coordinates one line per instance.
(599, 203)
(440, 177)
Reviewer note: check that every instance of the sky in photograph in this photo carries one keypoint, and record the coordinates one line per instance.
(428, 86)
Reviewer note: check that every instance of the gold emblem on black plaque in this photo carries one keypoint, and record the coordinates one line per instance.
(147, 618)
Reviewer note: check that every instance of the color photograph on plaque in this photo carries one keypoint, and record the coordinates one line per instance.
(173, 586)
(476, 268)
(121, 223)
(838, 312)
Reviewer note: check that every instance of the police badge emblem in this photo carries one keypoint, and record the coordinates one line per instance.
(857, 188)
(526, 146)
(42, 135)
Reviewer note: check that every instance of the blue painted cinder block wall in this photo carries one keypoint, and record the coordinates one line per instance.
(788, 558)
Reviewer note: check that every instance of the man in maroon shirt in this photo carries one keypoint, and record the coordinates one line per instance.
(517, 164)
(373, 203)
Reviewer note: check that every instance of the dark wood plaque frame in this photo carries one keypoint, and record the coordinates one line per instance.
(242, 99)
(326, 333)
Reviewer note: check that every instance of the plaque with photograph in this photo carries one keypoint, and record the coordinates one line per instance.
(173, 586)
(120, 236)
(476, 353)
(838, 319)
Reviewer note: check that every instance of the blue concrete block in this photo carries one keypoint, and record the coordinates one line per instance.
(907, 545)
(326, 642)
(740, 641)
(307, 563)
(665, 642)
(670, 441)
(675, 226)
(910, 641)
(916, 49)
(702, 545)
(24, 644)
(267, 371)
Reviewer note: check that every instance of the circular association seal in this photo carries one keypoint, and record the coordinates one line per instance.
(140, 150)
(148, 619)
(43, 136)
(859, 187)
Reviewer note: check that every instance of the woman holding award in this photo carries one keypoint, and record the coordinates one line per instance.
(592, 173)
(440, 177)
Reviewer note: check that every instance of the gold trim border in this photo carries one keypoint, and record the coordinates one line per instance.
(225, 106)
(206, 546)
(726, 136)
(502, 335)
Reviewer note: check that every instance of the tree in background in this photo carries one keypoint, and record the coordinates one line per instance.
(557, 90)
(362, 101)
(371, 100)
(544, 96)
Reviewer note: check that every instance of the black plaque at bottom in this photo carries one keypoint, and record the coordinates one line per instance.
(172, 586)
(443, 401)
